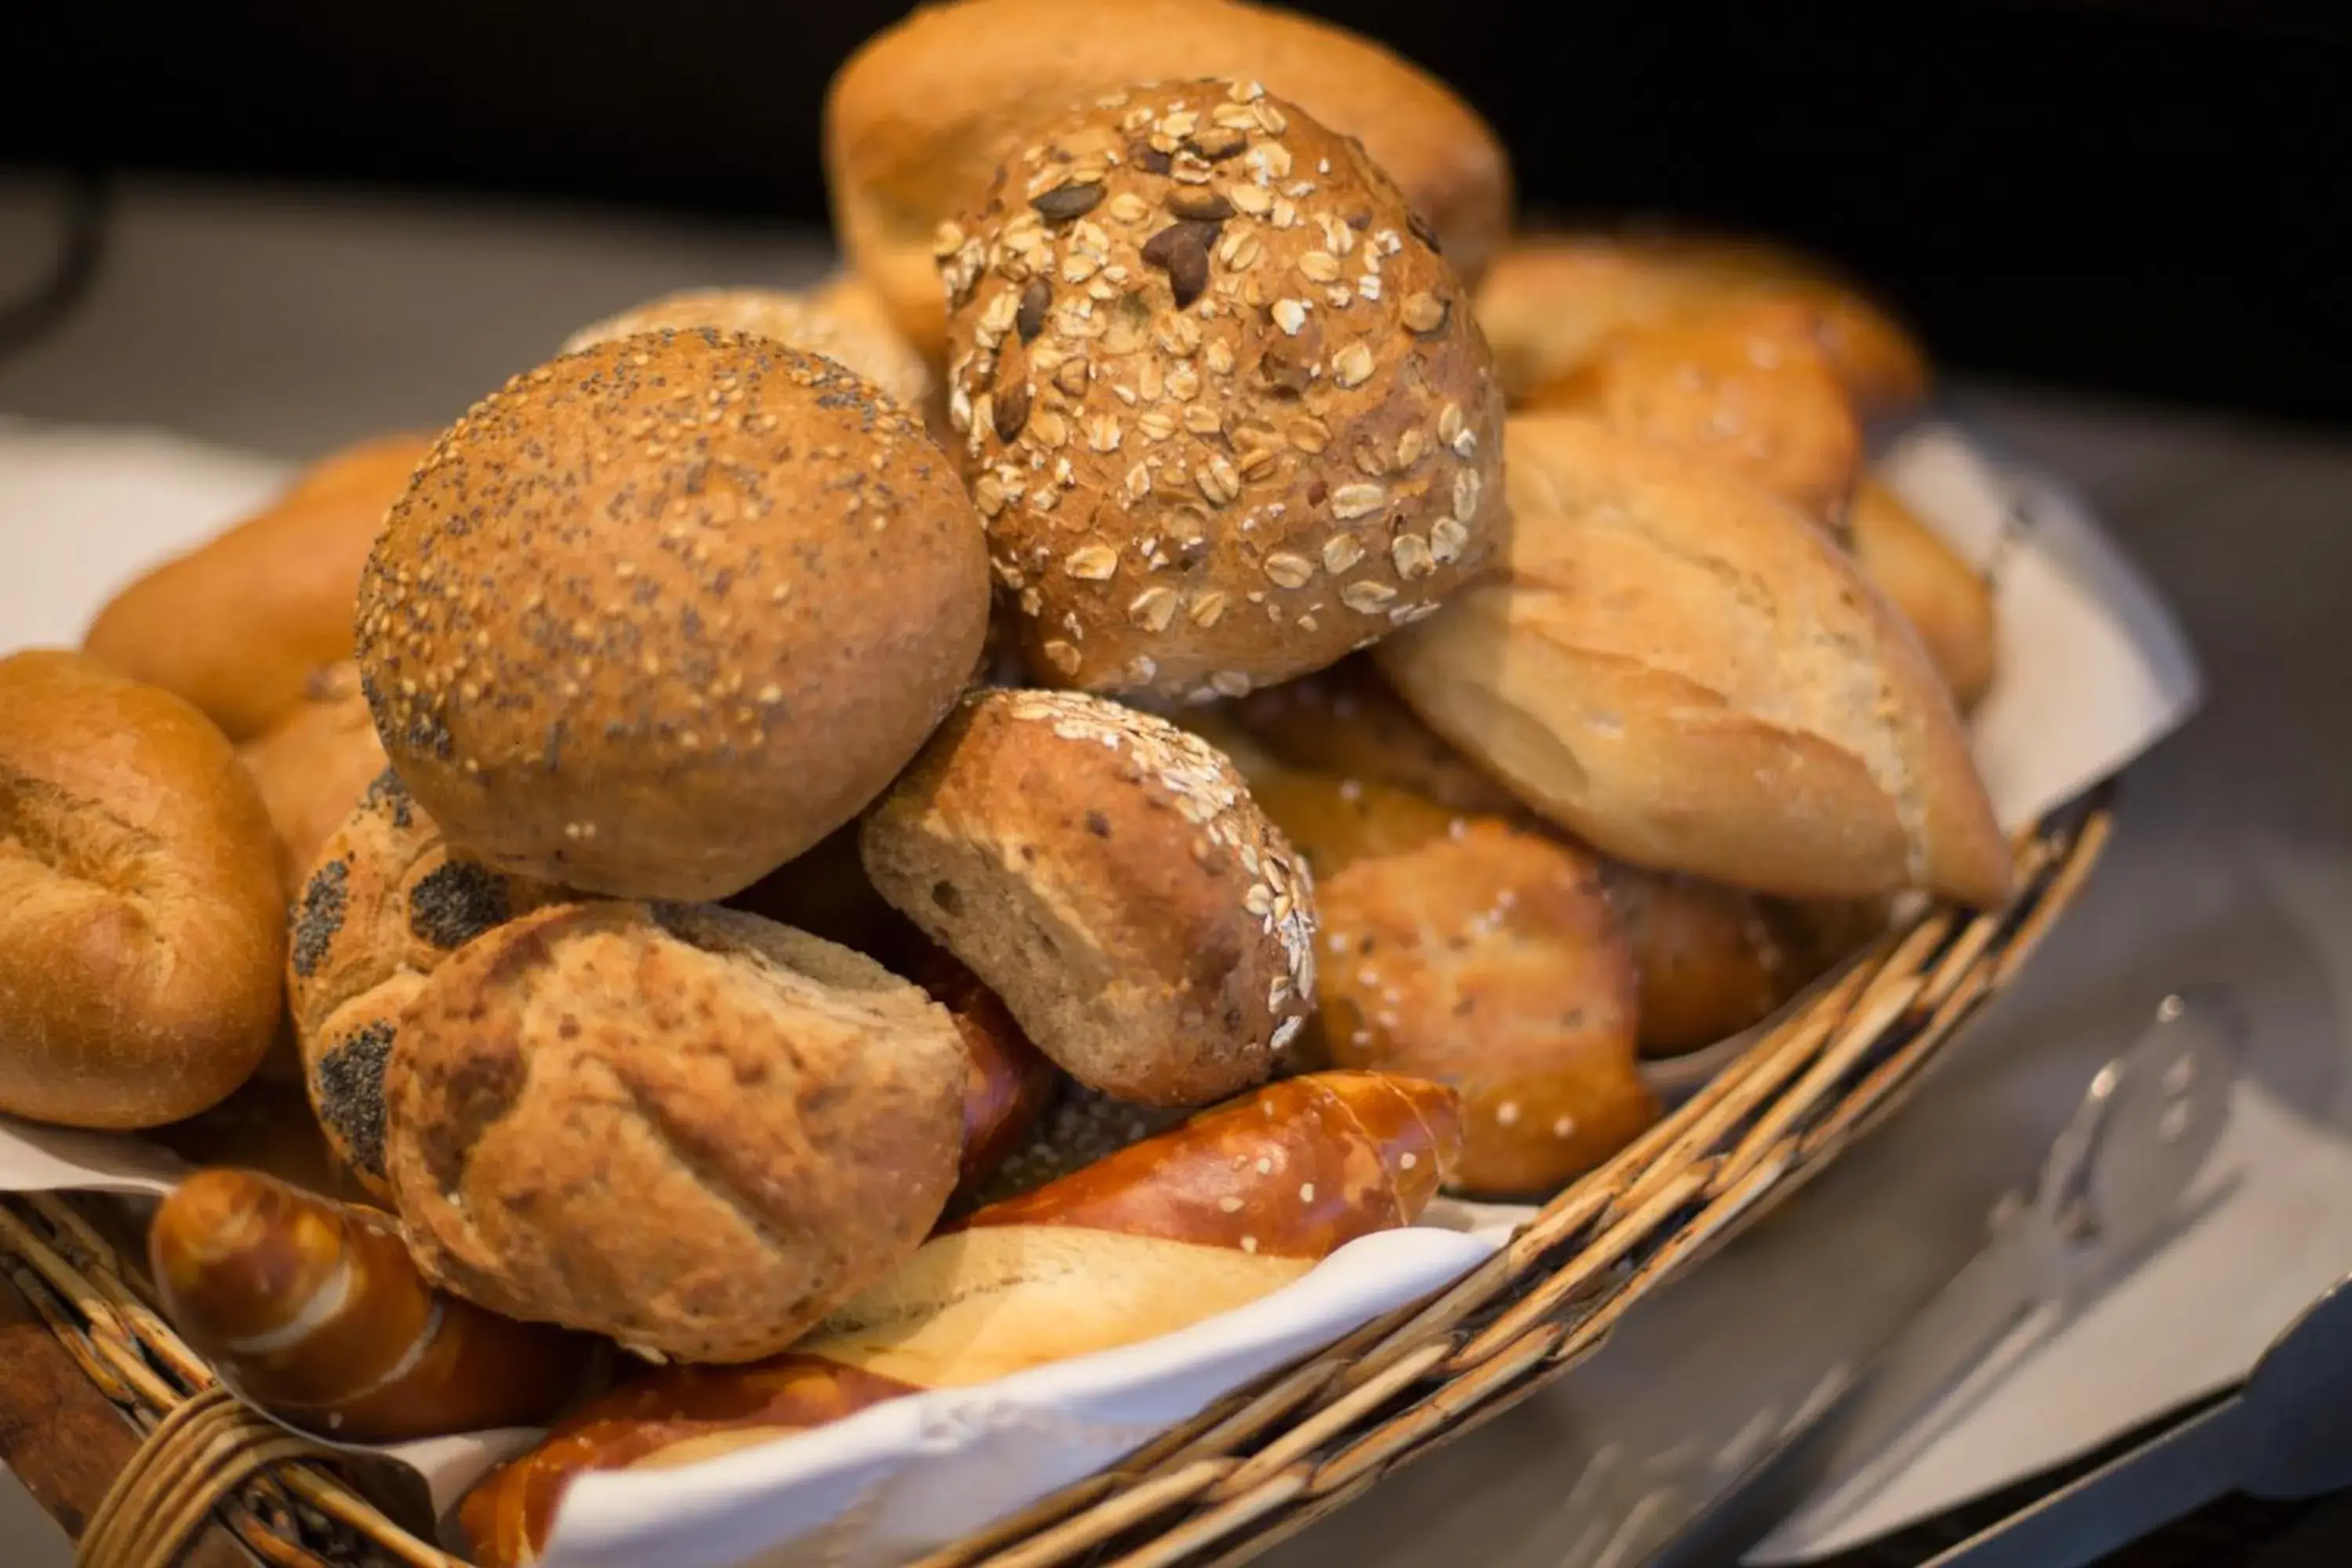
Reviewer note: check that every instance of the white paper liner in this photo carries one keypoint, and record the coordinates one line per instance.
(2093, 672)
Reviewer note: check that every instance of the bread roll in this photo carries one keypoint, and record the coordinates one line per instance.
(313, 764)
(313, 1310)
(918, 117)
(1552, 301)
(1748, 385)
(238, 625)
(1108, 875)
(726, 590)
(1347, 723)
(141, 917)
(1226, 410)
(814, 322)
(1945, 599)
(384, 902)
(1687, 675)
(1235, 1204)
(685, 1126)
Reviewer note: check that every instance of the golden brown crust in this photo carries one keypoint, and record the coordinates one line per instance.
(1552, 301)
(814, 322)
(314, 763)
(1108, 875)
(238, 625)
(1225, 411)
(1945, 600)
(314, 1310)
(659, 616)
(141, 917)
(1686, 674)
(383, 902)
(1348, 722)
(1480, 955)
(686, 1127)
(918, 117)
(1746, 386)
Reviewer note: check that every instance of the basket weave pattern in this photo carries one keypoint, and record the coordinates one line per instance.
(1265, 1462)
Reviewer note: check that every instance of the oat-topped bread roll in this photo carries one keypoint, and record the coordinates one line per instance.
(920, 116)
(240, 624)
(1225, 407)
(1748, 385)
(314, 763)
(385, 901)
(1108, 875)
(856, 338)
(686, 1127)
(142, 914)
(659, 616)
(1948, 602)
(1688, 675)
(1552, 301)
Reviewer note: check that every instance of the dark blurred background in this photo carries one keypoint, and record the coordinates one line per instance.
(2134, 196)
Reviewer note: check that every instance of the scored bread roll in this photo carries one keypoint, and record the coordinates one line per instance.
(385, 902)
(1946, 600)
(1233, 1204)
(1477, 953)
(240, 624)
(1687, 675)
(825, 322)
(1226, 410)
(313, 1310)
(686, 1127)
(1552, 301)
(142, 914)
(1746, 386)
(921, 113)
(314, 763)
(1108, 875)
(728, 591)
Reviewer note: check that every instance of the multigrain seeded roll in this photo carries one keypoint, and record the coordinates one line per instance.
(1746, 386)
(659, 616)
(1108, 875)
(859, 339)
(686, 1127)
(1225, 407)
(142, 914)
(313, 764)
(918, 117)
(386, 901)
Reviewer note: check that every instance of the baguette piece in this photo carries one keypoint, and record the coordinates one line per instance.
(1686, 674)
(313, 1310)
(1234, 1205)
(1945, 599)
(238, 625)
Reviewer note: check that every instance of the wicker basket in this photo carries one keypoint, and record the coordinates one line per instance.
(1264, 1462)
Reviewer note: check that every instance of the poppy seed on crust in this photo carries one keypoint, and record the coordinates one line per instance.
(349, 1083)
(319, 918)
(457, 901)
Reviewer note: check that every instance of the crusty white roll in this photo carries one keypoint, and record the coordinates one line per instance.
(1108, 875)
(142, 911)
(1687, 675)
(1946, 601)
(726, 590)
(1225, 409)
